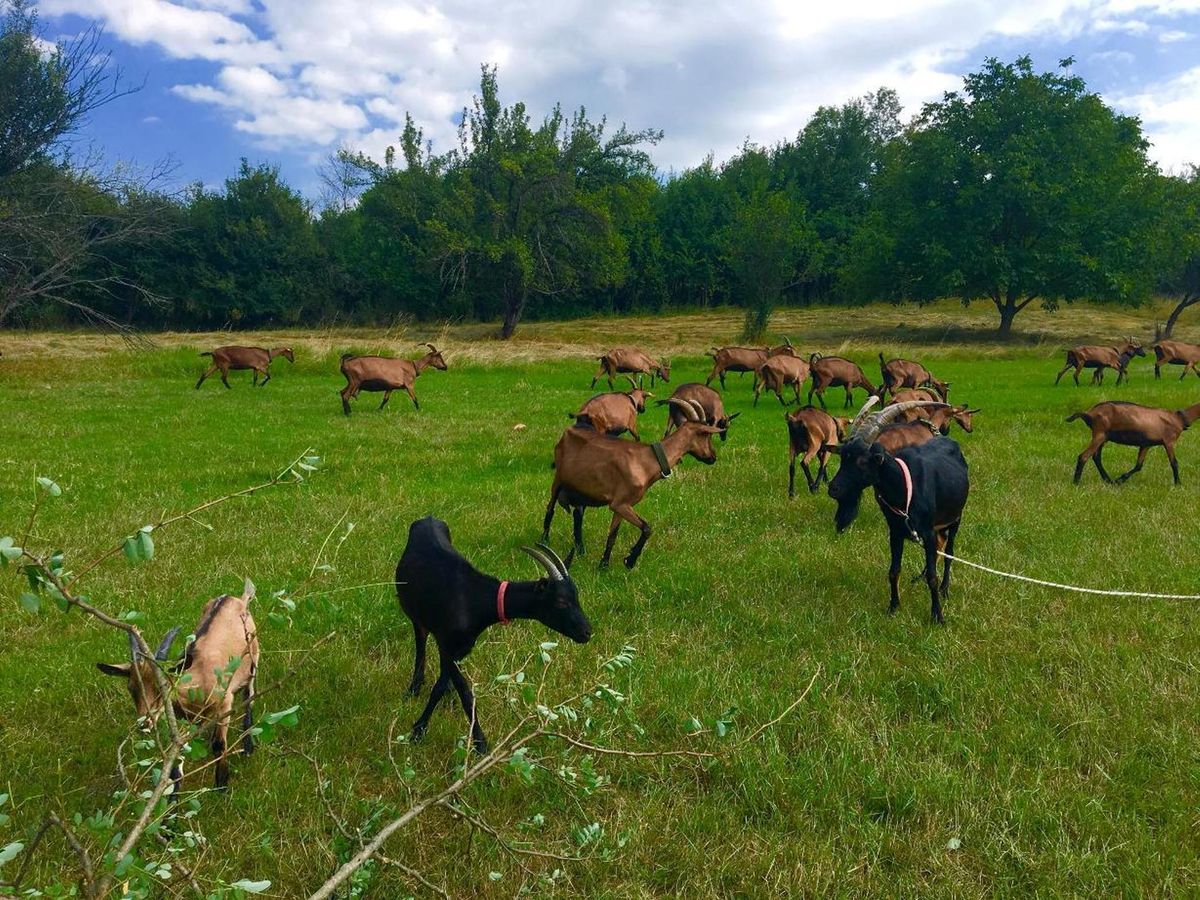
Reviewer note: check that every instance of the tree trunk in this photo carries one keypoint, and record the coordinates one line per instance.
(1175, 313)
(1008, 312)
(514, 305)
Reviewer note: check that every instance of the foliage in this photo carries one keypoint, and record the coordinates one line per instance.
(1023, 186)
(1176, 242)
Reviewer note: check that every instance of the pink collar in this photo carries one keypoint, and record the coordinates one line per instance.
(908, 490)
(500, 592)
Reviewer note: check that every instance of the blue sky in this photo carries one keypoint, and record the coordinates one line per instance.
(288, 80)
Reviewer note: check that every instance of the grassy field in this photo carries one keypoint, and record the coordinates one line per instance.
(1054, 735)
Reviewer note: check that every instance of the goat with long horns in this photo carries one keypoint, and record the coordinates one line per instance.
(921, 490)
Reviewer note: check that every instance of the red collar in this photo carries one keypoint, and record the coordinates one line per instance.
(908, 490)
(500, 592)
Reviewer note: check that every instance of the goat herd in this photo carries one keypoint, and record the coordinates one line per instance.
(918, 475)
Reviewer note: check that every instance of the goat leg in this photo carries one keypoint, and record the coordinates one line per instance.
(1100, 465)
(1170, 448)
(435, 697)
(554, 492)
(420, 638)
(387, 395)
(478, 741)
(931, 542)
(1137, 466)
(636, 551)
(613, 528)
(792, 477)
(897, 537)
(416, 405)
(212, 369)
(577, 516)
(220, 735)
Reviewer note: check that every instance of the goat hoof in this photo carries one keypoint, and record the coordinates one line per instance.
(480, 746)
(247, 747)
(604, 563)
(417, 734)
(414, 689)
(630, 562)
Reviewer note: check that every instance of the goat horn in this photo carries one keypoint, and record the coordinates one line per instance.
(700, 414)
(689, 411)
(787, 341)
(629, 378)
(164, 646)
(866, 407)
(554, 558)
(544, 561)
(432, 349)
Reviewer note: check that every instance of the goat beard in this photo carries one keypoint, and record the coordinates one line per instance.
(847, 511)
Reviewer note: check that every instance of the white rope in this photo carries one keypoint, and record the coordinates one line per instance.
(1069, 587)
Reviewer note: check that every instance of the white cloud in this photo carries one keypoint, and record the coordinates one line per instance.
(1173, 36)
(312, 75)
(1170, 114)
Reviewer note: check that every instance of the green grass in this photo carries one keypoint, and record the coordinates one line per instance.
(1054, 734)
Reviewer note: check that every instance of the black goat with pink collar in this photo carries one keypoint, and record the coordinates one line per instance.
(444, 595)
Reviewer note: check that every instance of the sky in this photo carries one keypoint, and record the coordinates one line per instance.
(289, 81)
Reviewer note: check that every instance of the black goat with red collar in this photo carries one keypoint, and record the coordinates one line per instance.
(921, 490)
(444, 595)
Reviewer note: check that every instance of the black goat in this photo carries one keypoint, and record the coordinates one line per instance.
(922, 491)
(444, 595)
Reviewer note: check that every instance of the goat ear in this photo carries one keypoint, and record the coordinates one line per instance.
(878, 455)
(248, 590)
(734, 416)
(121, 670)
(164, 646)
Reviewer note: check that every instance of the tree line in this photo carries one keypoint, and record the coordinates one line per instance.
(1021, 187)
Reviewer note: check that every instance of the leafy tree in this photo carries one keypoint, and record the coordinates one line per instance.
(693, 214)
(259, 259)
(63, 222)
(1020, 187)
(526, 214)
(1178, 242)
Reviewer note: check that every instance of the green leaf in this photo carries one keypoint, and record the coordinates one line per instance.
(284, 716)
(49, 486)
(9, 550)
(132, 550)
(145, 544)
(11, 852)
(30, 602)
(251, 887)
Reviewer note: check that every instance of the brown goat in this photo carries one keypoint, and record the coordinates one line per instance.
(613, 413)
(779, 372)
(812, 433)
(834, 371)
(220, 663)
(743, 359)
(1101, 358)
(704, 400)
(922, 394)
(1134, 426)
(905, 434)
(381, 373)
(1176, 353)
(625, 361)
(226, 359)
(591, 469)
(897, 374)
(940, 415)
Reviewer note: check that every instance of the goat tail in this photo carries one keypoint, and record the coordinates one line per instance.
(882, 361)
(1080, 415)
(713, 352)
(206, 353)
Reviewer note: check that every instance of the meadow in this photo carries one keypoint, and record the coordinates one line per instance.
(1042, 742)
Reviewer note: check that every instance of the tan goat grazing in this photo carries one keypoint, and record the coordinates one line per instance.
(613, 413)
(382, 373)
(905, 434)
(779, 372)
(898, 374)
(1134, 426)
(626, 361)
(940, 415)
(1101, 358)
(743, 359)
(812, 433)
(705, 402)
(227, 359)
(1176, 353)
(221, 662)
(834, 371)
(592, 470)
(917, 394)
